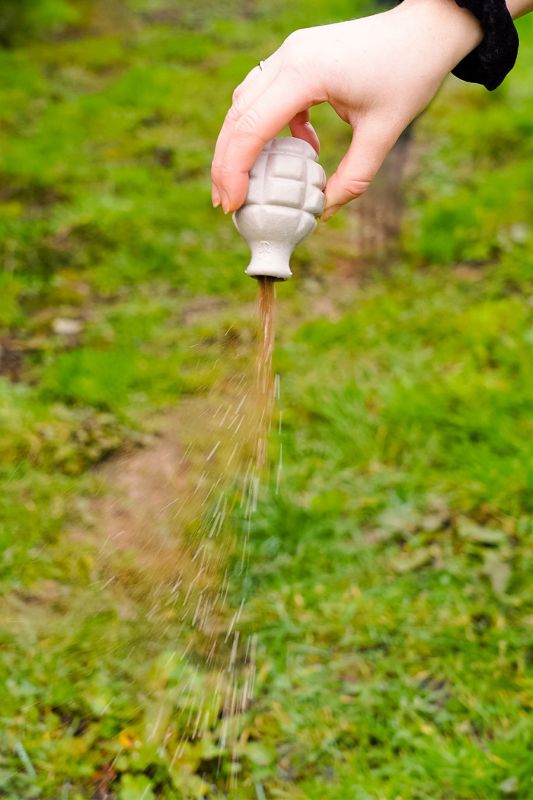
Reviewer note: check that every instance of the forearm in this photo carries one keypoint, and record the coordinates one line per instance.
(518, 8)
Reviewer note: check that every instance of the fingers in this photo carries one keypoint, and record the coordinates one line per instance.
(301, 127)
(246, 93)
(370, 144)
(252, 87)
(248, 126)
(256, 81)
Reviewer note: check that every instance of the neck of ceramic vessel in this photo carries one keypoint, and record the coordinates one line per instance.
(270, 260)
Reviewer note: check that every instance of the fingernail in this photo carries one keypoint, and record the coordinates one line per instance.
(215, 196)
(225, 202)
(329, 212)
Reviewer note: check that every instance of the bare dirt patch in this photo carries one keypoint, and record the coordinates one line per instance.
(148, 519)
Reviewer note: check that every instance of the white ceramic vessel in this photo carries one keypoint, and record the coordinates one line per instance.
(284, 199)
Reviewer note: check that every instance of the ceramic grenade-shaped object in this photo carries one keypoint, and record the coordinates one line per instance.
(284, 199)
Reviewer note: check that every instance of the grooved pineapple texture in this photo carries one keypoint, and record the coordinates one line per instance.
(281, 176)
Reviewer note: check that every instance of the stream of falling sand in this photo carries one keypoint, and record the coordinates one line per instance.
(264, 376)
(241, 684)
(192, 599)
(228, 650)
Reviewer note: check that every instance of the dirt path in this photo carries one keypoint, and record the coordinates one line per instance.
(153, 498)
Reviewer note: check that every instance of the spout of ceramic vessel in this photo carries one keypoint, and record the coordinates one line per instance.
(270, 260)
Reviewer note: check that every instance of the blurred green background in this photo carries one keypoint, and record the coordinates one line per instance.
(390, 572)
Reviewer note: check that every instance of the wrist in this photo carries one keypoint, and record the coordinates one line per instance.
(479, 34)
(455, 30)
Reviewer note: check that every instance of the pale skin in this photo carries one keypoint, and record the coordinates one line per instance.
(378, 73)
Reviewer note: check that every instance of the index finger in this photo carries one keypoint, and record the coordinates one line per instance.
(245, 134)
(254, 84)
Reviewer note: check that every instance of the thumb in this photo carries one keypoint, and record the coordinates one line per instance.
(369, 146)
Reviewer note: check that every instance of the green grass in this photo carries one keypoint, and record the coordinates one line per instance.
(393, 569)
(389, 577)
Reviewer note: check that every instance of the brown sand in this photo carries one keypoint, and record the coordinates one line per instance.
(264, 376)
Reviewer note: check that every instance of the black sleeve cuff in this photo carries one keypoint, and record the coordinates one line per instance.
(494, 58)
(490, 61)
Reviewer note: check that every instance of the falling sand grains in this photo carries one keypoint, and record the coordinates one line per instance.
(192, 596)
(264, 376)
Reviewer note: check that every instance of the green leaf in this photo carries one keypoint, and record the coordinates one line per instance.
(260, 754)
(136, 787)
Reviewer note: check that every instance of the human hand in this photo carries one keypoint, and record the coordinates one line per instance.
(378, 73)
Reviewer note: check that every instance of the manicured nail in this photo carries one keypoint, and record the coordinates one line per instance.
(329, 212)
